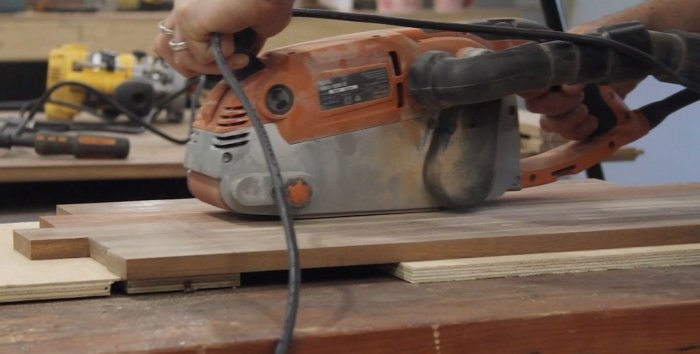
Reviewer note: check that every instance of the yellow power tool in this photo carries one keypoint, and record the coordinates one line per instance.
(134, 80)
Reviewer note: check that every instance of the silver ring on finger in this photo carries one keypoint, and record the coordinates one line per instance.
(177, 46)
(165, 29)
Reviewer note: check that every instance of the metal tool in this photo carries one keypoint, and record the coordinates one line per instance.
(45, 143)
(135, 81)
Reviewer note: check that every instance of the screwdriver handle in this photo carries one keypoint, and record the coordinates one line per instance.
(81, 146)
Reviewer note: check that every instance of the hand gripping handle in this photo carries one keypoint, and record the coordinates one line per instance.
(618, 126)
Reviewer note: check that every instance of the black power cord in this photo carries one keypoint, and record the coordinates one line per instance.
(280, 197)
(33, 106)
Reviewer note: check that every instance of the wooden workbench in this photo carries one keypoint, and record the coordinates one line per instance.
(360, 310)
(150, 157)
(654, 311)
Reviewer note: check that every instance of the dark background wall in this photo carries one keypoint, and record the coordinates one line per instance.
(22, 80)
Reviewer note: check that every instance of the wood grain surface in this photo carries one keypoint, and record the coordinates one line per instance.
(641, 311)
(125, 209)
(556, 218)
(651, 311)
(546, 263)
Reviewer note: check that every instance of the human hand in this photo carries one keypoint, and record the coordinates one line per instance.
(564, 112)
(192, 23)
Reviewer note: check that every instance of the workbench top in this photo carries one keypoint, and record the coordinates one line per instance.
(150, 157)
(651, 311)
(360, 309)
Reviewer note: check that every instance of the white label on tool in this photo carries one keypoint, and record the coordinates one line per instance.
(345, 90)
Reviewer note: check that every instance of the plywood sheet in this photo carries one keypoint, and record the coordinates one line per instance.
(22, 279)
(546, 263)
(557, 218)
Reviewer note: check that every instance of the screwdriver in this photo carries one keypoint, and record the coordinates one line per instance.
(79, 145)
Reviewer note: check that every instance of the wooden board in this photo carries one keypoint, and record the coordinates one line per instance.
(556, 218)
(123, 209)
(650, 311)
(188, 284)
(22, 279)
(546, 263)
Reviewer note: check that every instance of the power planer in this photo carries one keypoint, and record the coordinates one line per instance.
(408, 119)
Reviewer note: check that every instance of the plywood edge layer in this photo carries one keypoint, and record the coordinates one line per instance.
(189, 284)
(546, 263)
(99, 288)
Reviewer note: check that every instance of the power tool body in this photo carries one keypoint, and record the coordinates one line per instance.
(136, 81)
(410, 119)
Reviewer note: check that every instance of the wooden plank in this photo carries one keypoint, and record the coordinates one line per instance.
(562, 217)
(181, 284)
(546, 263)
(85, 220)
(23, 280)
(134, 207)
(53, 247)
(651, 311)
(566, 190)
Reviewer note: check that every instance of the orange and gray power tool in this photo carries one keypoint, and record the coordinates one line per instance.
(411, 119)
